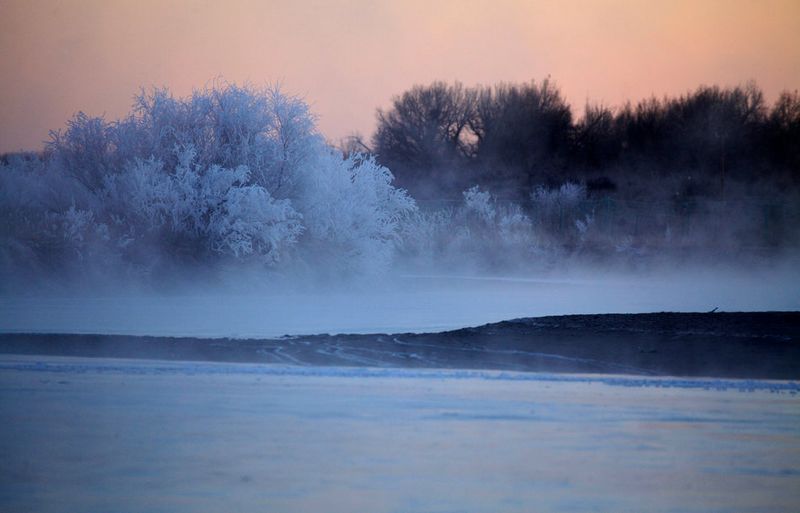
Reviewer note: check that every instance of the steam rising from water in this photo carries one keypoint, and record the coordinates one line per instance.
(409, 303)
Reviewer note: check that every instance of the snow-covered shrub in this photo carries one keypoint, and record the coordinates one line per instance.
(208, 211)
(426, 237)
(43, 217)
(228, 174)
(514, 226)
(481, 231)
(251, 222)
(479, 203)
(351, 211)
(561, 212)
(27, 181)
(76, 223)
(264, 129)
(86, 150)
(504, 219)
(583, 226)
(560, 201)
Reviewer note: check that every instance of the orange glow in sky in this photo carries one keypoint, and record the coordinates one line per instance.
(348, 57)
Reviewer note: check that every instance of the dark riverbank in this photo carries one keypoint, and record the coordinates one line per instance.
(758, 345)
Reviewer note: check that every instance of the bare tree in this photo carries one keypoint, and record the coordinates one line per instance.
(426, 128)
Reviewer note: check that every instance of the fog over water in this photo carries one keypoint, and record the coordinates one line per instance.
(409, 303)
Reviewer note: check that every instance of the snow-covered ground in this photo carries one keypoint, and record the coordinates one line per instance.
(407, 304)
(128, 436)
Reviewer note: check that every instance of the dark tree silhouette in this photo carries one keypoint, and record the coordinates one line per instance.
(523, 130)
(782, 136)
(512, 138)
(424, 134)
(596, 139)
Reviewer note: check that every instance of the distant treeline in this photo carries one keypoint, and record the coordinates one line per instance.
(512, 138)
(501, 179)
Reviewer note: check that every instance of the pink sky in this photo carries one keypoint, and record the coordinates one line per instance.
(348, 57)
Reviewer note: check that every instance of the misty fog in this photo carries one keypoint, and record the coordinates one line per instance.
(410, 303)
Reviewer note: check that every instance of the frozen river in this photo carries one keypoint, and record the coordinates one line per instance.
(131, 436)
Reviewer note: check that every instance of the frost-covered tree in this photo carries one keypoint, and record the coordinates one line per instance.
(202, 210)
(229, 173)
(561, 211)
(480, 231)
(351, 210)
